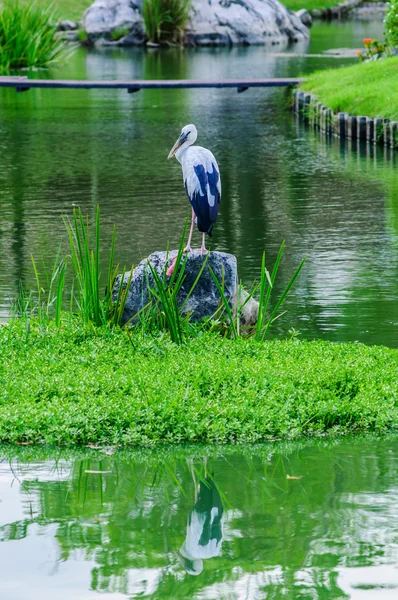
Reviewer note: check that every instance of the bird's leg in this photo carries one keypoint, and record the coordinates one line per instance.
(188, 246)
(203, 248)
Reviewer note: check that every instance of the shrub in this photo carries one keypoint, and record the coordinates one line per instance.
(165, 20)
(28, 36)
(391, 24)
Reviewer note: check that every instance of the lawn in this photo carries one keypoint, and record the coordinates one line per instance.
(68, 9)
(310, 4)
(369, 89)
(93, 385)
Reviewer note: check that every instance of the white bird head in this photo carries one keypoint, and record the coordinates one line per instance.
(187, 137)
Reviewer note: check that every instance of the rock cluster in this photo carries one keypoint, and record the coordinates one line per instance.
(204, 301)
(213, 23)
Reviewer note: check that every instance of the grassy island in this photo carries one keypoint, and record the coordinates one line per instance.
(369, 89)
(95, 385)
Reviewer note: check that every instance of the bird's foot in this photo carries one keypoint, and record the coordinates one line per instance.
(171, 268)
(187, 249)
(203, 251)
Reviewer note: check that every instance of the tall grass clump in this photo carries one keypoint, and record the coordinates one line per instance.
(164, 312)
(92, 305)
(165, 20)
(166, 308)
(229, 315)
(28, 36)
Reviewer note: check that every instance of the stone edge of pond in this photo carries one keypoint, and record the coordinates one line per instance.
(339, 11)
(344, 125)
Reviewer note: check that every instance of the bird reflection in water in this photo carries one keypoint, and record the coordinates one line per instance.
(205, 525)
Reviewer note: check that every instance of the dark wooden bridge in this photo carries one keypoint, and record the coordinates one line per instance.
(22, 84)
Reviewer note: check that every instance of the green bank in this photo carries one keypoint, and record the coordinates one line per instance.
(78, 386)
(369, 89)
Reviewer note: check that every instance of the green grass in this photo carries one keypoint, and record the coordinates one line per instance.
(369, 89)
(96, 385)
(165, 20)
(67, 9)
(28, 36)
(310, 4)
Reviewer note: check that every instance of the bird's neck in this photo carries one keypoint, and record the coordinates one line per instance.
(181, 152)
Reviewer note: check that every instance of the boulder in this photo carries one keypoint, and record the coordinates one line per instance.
(204, 300)
(67, 25)
(249, 311)
(213, 22)
(104, 19)
(305, 17)
(317, 13)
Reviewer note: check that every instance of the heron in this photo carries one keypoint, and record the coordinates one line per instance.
(201, 180)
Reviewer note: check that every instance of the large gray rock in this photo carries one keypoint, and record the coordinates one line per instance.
(213, 22)
(249, 309)
(105, 19)
(205, 298)
(305, 16)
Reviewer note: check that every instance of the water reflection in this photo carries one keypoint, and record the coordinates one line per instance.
(205, 526)
(171, 525)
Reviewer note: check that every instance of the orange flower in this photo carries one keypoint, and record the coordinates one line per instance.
(367, 41)
(358, 52)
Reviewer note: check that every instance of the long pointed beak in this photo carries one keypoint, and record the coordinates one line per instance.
(174, 149)
(176, 146)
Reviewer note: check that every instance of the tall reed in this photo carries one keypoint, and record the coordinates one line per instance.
(165, 20)
(264, 290)
(28, 36)
(92, 304)
(165, 310)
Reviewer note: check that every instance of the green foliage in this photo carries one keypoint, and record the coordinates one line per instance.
(163, 312)
(92, 385)
(28, 36)
(119, 33)
(369, 89)
(391, 24)
(92, 306)
(165, 20)
(82, 36)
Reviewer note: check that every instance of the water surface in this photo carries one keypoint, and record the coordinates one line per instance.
(334, 204)
(298, 521)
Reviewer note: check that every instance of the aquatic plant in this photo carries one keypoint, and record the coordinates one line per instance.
(28, 36)
(164, 311)
(165, 20)
(92, 305)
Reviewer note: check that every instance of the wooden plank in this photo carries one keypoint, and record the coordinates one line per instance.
(22, 83)
(12, 78)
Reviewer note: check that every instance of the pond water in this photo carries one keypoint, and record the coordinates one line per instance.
(333, 203)
(311, 521)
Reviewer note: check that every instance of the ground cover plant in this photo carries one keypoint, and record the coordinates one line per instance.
(74, 376)
(28, 36)
(96, 385)
(369, 89)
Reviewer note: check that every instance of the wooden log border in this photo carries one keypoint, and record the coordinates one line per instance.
(376, 131)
